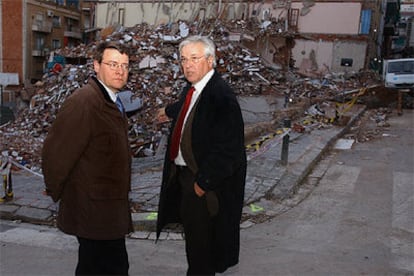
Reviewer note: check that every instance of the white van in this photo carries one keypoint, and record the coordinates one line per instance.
(398, 73)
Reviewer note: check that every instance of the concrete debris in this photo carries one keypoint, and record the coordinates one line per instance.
(315, 110)
(156, 80)
(365, 131)
(130, 104)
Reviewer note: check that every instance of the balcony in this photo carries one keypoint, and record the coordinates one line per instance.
(38, 53)
(44, 27)
(73, 33)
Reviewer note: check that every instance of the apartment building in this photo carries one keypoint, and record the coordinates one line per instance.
(30, 29)
(334, 35)
(406, 28)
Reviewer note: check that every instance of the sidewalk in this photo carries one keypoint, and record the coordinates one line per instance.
(268, 181)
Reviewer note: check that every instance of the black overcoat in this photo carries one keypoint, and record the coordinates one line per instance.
(217, 142)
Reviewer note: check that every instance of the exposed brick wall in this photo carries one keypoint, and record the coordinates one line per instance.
(12, 37)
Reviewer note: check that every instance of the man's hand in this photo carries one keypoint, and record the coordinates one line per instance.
(46, 192)
(161, 116)
(200, 192)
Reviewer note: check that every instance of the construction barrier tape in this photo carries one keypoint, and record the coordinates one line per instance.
(24, 168)
(5, 172)
(258, 147)
(257, 144)
(345, 107)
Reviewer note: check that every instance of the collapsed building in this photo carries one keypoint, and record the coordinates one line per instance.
(155, 80)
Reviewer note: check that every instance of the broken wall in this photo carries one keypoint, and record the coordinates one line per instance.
(272, 49)
(310, 55)
(332, 27)
(329, 18)
(156, 13)
(355, 52)
(322, 56)
(333, 42)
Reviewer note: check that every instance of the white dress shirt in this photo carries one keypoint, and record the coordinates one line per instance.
(199, 86)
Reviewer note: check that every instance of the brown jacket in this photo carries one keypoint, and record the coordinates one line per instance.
(86, 163)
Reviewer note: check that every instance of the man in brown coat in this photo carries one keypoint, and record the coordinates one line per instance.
(87, 166)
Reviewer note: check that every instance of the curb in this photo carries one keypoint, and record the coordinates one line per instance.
(291, 180)
(145, 223)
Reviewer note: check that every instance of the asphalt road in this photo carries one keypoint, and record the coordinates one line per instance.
(352, 216)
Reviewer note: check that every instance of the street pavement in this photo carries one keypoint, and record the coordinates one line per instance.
(270, 182)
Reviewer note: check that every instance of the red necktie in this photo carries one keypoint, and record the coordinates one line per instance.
(176, 135)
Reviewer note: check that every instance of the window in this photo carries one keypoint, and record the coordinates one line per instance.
(39, 42)
(402, 67)
(293, 18)
(365, 23)
(72, 25)
(72, 3)
(121, 16)
(38, 19)
(56, 21)
(87, 22)
(56, 44)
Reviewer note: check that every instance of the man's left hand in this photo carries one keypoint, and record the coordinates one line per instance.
(200, 192)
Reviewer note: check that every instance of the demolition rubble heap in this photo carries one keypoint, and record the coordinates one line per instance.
(155, 78)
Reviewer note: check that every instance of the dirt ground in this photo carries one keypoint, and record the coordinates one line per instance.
(385, 97)
(382, 104)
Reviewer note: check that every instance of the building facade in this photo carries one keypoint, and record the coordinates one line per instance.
(315, 35)
(328, 35)
(30, 29)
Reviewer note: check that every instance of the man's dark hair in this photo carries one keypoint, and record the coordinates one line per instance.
(109, 45)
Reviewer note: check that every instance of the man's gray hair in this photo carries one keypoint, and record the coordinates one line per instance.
(209, 46)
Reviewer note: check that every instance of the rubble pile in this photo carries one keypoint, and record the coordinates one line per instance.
(156, 79)
(373, 125)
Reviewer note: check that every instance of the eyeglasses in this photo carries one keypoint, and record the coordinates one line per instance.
(192, 60)
(115, 65)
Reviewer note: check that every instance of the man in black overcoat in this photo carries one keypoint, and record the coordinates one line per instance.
(204, 175)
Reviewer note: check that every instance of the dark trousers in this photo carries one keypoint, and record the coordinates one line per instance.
(197, 227)
(102, 257)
